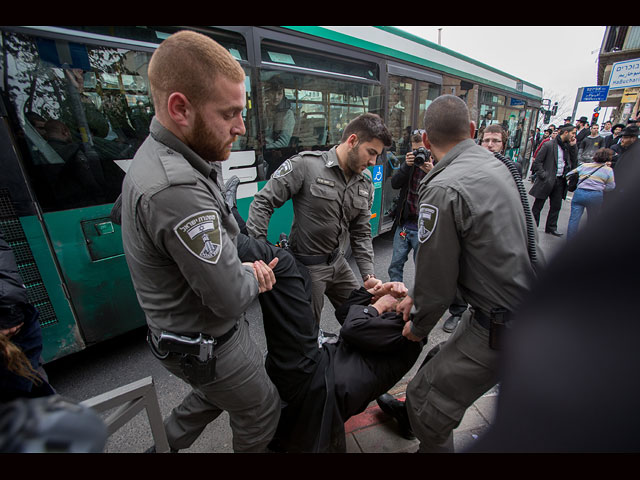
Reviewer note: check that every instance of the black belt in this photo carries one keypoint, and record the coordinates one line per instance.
(483, 319)
(318, 259)
(218, 341)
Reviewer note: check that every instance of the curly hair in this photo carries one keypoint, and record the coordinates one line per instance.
(603, 155)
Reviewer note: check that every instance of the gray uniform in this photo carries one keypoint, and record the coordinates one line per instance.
(179, 241)
(329, 211)
(473, 238)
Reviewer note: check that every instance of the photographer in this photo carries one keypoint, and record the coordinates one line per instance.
(417, 164)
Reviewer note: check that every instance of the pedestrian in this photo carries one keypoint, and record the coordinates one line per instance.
(21, 372)
(582, 130)
(595, 178)
(606, 129)
(405, 224)
(474, 238)
(628, 154)
(590, 145)
(555, 159)
(179, 239)
(615, 135)
(332, 195)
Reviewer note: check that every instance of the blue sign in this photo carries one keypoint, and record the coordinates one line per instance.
(516, 102)
(595, 94)
(377, 176)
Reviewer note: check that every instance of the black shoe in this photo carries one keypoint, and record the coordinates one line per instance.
(398, 410)
(230, 190)
(451, 323)
(555, 233)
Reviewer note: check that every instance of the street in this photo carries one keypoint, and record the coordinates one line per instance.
(126, 359)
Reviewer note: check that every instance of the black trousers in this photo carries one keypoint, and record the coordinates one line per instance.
(555, 204)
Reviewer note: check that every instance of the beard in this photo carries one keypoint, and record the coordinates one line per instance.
(353, 160)
(204, 142)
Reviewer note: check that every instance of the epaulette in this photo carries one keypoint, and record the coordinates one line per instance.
(178, 170)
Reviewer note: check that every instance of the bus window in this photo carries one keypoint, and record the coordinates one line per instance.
(307, 112)
(82, 110)
(401, 125)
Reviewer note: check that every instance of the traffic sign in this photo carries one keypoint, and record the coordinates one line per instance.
(625, 74)
(595, 94)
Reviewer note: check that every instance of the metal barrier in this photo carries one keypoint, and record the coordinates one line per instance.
(131, 399)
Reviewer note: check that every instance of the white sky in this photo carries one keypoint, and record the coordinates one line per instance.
(557, 58)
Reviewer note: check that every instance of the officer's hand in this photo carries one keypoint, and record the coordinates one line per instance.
(372, 283)
(409, 158)
(264, 274)
(404, 307)
(395, 289)
(406, 332)
(386, 303)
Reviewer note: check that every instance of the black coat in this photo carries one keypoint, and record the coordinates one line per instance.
(402, 180)
(545, 167)
(323, 387)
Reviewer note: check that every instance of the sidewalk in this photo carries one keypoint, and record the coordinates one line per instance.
(373, 431)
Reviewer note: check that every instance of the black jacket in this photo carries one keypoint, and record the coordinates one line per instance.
(401, 181)
(545, 166)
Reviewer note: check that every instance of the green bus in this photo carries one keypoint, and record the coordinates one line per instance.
(75, 105)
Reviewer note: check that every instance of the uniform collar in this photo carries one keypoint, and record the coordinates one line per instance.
(163, 135)
(451, 156)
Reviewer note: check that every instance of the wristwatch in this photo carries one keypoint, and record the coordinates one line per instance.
(368, 276)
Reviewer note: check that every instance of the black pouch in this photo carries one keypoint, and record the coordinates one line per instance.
(196, 371)
(497, 328)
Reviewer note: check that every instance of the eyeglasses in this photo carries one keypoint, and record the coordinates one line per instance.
(491, 140)
(416, 132)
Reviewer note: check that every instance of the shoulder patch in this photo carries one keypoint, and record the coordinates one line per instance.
(427, 220)
(284, 169)
(201, 235)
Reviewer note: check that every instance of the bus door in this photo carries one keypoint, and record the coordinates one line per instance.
(410, 91)
(78, 110)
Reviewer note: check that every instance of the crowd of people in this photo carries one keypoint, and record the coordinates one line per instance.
(196, 264)
(587, 150)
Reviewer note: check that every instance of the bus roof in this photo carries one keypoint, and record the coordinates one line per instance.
(396, 43)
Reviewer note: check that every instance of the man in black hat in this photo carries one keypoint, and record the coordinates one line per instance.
(583, 130)
(628, 153)
(613, 139)
(555, 159)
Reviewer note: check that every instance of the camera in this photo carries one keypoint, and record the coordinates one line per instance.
(422, 156)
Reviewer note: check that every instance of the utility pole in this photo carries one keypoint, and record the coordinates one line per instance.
(440, 36)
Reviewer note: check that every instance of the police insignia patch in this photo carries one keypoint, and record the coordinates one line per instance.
(427, 219)
(200, 234)
(283, 169)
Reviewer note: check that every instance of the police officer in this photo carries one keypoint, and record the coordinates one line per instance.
(332, 194)
(179, 239)
(473, 238)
